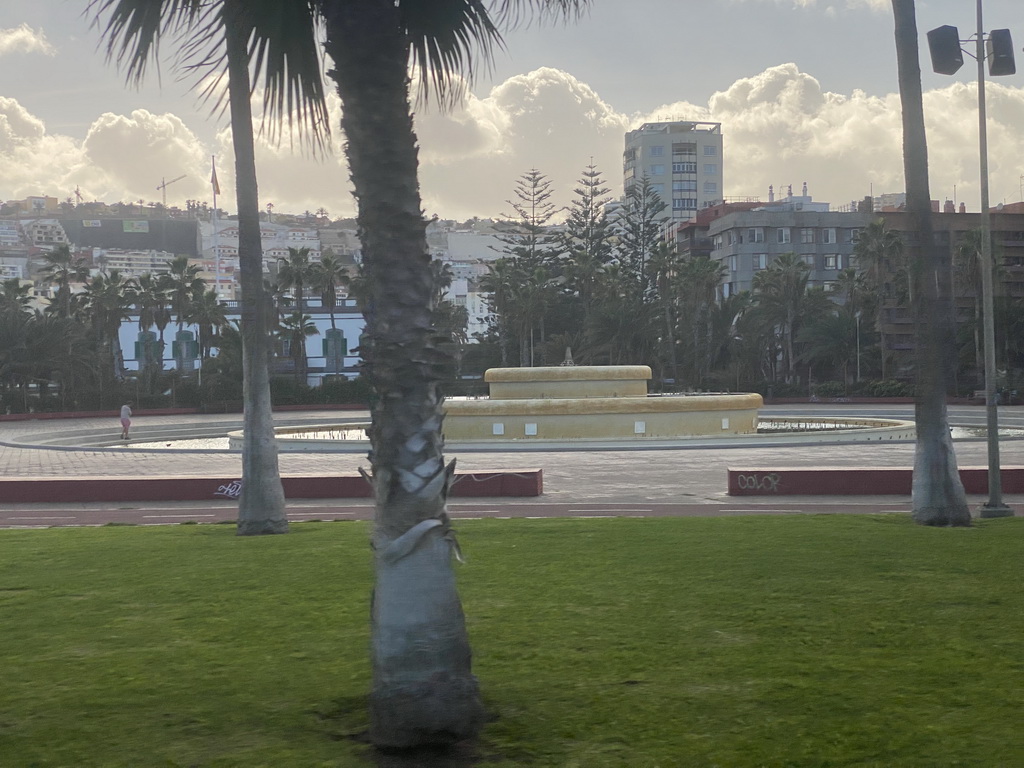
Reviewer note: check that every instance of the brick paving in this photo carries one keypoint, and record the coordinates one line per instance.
(691, 476)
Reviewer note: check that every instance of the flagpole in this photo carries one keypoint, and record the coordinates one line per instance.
(216, 249)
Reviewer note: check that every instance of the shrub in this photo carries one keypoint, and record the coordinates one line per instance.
(830, 389)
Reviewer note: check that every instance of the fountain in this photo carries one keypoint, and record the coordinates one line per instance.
(569, 407)
(592, 402)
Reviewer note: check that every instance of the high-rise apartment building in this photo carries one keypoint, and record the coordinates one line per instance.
(682, 161)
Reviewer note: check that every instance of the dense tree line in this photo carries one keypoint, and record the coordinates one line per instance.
(67, 356)
(608, 286)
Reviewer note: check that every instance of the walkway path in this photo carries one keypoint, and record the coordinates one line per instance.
(687, 481)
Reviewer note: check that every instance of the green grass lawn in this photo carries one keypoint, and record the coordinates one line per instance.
(746, 641)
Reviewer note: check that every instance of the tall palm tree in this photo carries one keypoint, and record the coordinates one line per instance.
(62, 268)
(325, 278)
(296, 328)
(108, 301)
(209, 315)
(780, 290)
(423, 687)
(967, 278)
(296, 271)
(150, 295)
(938, 495)
(879, 252)
(182, 282)
(15, 297)
(280, 37)
(696, 282)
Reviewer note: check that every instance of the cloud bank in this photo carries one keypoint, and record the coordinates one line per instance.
(780, 128)
(24, 39)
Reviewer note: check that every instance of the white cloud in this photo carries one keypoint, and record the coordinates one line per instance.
(24, 39)
(546, 119)
(779, 126)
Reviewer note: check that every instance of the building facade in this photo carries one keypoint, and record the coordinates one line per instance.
(748, 241)
(682, 160)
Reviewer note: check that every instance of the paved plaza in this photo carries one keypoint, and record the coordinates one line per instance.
(682, 480)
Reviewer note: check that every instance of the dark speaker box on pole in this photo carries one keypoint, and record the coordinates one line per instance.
(944, 46)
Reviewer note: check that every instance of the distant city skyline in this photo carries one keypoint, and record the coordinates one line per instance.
(805, 90)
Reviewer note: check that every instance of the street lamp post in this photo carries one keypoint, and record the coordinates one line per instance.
(944, 63)
(856, 316)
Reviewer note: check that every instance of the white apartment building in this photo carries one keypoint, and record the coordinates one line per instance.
(220, 250)
(131, 263)
(681, 159)
(45, 233)
(10, 237)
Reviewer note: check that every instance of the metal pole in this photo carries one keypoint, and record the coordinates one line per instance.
(994, 507)
(857, 316)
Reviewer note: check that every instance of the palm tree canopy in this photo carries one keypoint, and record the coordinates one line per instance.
(283, 47)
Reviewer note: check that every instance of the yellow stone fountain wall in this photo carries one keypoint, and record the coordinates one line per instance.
(592, 402)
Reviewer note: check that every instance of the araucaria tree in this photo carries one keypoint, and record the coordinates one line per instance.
(938, 494)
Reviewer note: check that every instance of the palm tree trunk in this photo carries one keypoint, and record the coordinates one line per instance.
(938, 494)
(261, 507)
(423, 687)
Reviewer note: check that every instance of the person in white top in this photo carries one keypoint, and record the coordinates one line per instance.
(126, 420)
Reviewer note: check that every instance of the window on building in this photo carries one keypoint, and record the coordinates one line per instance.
(710, 150)
(710, 187)
(657, 169)
(833, 261)
(828, 235)
(808, 259)
(758, 261)
(684, 167)
(716, 242)
(687, 185)
(732, 263)
(684, 204)
(829, 286)
(806, 235)
(782, 235)
(732, 237)
(658, 151)
(755, 235)
(710, 169)
(659, 189)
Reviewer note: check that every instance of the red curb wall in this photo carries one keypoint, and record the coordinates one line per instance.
(855, 481)
(65, 490)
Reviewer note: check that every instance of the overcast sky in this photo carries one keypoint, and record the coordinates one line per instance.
(805, 90)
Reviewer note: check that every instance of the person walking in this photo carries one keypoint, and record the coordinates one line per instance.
(126, 420)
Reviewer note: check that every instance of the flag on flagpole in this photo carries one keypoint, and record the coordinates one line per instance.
(213, 177)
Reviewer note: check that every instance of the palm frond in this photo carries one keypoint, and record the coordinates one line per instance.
(446, 39)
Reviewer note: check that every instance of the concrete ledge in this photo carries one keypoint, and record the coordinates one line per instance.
(854, 481)
(68, 490)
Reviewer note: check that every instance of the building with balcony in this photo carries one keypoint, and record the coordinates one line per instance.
(682, 160)
(747, 241)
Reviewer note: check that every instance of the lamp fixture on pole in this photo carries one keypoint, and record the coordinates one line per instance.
(947, 57)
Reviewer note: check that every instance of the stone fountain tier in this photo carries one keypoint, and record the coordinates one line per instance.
(592, 403)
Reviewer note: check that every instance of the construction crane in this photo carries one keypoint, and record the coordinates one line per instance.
(162, 187)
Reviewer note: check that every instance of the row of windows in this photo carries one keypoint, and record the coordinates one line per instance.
(759, 261)
(709, 151)
(710, 188)
(784, 236)
(658, 169)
